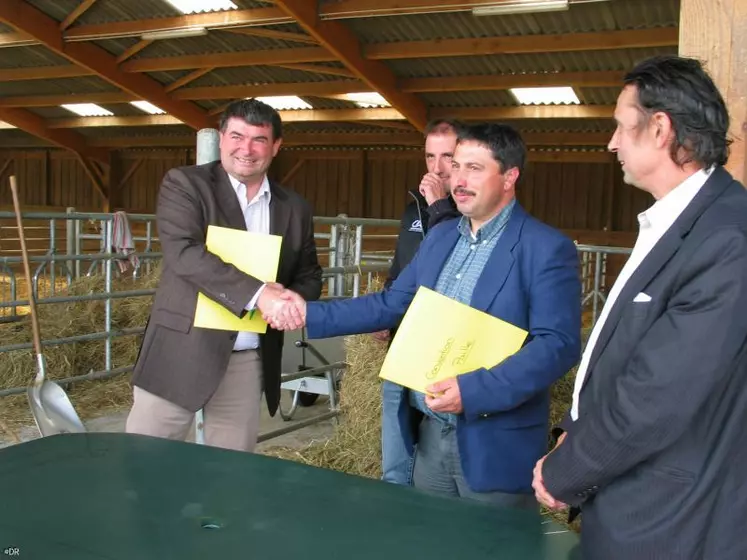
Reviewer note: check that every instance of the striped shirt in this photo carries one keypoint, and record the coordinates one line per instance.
(460, 274)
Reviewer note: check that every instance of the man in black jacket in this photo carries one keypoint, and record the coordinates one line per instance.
(431, 204)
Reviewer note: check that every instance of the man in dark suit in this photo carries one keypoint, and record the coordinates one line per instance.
(182, 368)
(480, 434)
(655, 445)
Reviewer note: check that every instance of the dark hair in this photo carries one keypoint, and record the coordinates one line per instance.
(682, 89)
(503, 141)
(253, 112)
(444, 126)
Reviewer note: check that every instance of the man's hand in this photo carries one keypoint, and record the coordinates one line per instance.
(444, 396)
(269, 301)
(290, 314)
(432, 187)
(382, 336)
(540, 492)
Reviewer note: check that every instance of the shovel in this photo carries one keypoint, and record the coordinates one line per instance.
(53, 412)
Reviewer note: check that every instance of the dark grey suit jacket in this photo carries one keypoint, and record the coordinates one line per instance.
(185, 364)
(658, 456)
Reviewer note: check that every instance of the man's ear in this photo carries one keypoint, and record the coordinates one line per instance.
(662, 128)
(511, 176)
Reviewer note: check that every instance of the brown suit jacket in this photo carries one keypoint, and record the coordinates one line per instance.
(182, 363)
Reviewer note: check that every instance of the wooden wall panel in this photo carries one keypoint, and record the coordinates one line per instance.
(70, 185)
(144, 172)
(576, 197)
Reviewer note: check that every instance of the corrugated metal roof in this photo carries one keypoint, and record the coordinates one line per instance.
(30, 57)
(582, 61)
(594, 16)
(137, 131)
(497, 98)
(213, 42)
(598, 96)
(86, 84)
(259, 75)
(564, 125)
(105, 11)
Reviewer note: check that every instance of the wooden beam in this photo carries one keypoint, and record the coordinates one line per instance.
(507, 81)
(137, 164)
(569, 156)
(133, 50)
(250, 90)
(353, 138)
(325, 89)
(318, 69)
(4, 167)
(293, 171)
(273, 34)
(76, 13)
(108, 97)
(37, 126)
(44, 73)
(229, 60)
(98, 122)
(361, 115)
(526, 112)
(565, 42)
(184, 80)
(16, 39)
(96, 178)
(715, 34)
(211, 20)
(33, 21)
(263, 16)
(339, 40)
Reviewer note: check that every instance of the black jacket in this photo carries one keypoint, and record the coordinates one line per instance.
(417, 219)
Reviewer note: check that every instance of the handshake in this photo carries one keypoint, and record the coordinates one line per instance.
(281, 308)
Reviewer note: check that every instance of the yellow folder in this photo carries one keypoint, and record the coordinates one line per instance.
(441, 338)
(256, 254)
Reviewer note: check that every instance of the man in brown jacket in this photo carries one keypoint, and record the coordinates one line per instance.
(182, 368)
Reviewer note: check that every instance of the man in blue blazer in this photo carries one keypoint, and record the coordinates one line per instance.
(479, 435)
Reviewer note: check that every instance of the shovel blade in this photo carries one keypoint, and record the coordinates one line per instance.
(53, 412)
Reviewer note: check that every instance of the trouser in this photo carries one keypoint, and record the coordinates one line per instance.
(396, 459)
(438, 468)
(231, 415)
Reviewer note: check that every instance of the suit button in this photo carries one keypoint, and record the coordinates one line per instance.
(222, 296)
(483, 415)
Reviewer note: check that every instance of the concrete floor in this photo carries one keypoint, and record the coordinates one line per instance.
(320, 431)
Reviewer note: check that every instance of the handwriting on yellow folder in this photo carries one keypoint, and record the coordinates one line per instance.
(256, 254)
(440, 338)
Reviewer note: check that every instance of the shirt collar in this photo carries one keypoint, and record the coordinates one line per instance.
(489, 228)
(240, 189)
(667, 209)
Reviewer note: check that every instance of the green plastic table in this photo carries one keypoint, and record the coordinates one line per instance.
(120, 496)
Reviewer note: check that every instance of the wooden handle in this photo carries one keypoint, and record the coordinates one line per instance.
(26, 267)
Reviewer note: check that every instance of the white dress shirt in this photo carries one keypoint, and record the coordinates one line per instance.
(653, 224)
(257, 218)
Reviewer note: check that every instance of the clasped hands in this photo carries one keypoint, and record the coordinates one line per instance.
(281, 308)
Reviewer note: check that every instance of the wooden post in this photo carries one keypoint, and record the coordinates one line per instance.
(714, 32)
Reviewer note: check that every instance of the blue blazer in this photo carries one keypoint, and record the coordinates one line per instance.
(532, 281)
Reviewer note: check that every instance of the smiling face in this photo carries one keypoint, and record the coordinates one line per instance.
(478, 185)
(246, 150)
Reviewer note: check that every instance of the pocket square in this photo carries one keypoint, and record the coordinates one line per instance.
(642, 298)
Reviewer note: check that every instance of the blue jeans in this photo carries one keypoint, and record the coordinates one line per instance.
(397, 460)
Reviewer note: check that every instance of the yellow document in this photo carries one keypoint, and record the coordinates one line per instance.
(256, 254)
(440, 338)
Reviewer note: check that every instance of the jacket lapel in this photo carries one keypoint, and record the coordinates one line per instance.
(436, 261)
(500, 262)
(225, 196)
(660, 255)
(280, 210)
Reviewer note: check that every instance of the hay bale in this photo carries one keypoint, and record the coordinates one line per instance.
(61, 320)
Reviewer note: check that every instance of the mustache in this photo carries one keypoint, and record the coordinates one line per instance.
(462, 190)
